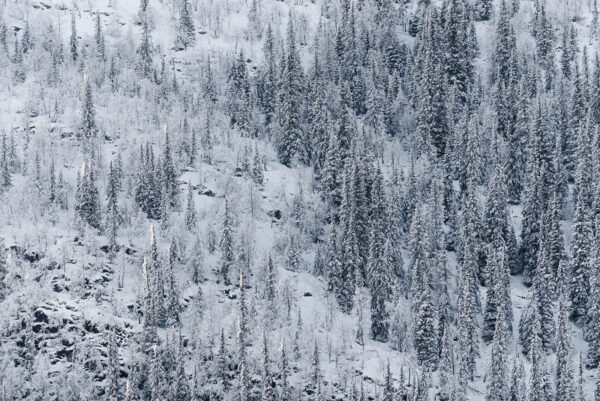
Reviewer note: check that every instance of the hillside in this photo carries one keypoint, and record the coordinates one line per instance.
(299, 200)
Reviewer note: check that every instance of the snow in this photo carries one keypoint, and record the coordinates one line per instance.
(107, 294)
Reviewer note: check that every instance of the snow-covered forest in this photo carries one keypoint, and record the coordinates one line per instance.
(301, 200)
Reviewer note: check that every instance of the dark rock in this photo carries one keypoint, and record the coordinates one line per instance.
(276, 214)
(308, 294)
(40, 316)
(32, 257)
(90, 327)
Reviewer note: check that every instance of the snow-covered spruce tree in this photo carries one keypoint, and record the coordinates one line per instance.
(498, 293)
(112, 213)
(87, 122)
(564, 356)
(268, 384)
(505, 44)
(268, 94)
(515, 153)
(554, 242)
(289, 144)
(516, 389)
(471, 235)
(238, 87)
(4, 288)
(380, 278)
(144, 50)
(467, 296)
(180, 390)
(157, 282)
(431, 109)
(99, 38)
(484, 9)
(190, 210)
(73, 41)
(497, 231)
(539, 386)
(5, 168)
(113, 366)
(88, 206)
(147, 184)
(157, 378)
(497, 384)
(544, 37)
(543, 292)
(168, 171)
(446, 364)
(226, 244)
(593, 310)
(320, 121)
(594, 103)
(417, 245)
(425, 336)
(171, 291)
(388, 386)
(576, 119)
(535, 200)
(459, 63)
(580, 258)
(186, 34)
(284, 386)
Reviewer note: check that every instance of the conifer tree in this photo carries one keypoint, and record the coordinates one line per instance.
(593, 311)
(269, 85)
(157, 377)
(144, 50)
(186, 35)
(446, 363)
(87, 124)
(498, 293)
(157, 284)
(431, 109)
(181, 390)
(517, 374)
(268, 385)
(424, 326)
(388, 387)
(484, 9)
(289, 146)
(284, 388)
(580, 255)
(564, 358)
(226, 244)
(5, 168)
(467, 298)
(497, 382)
(379, 282)
(538, 388)
(17, 59)
(169, 174)
(112, 214)
(172, 293)
(87, 206)
(73, 41)
(99, 38)
(113, 368)
(190, 210)
(543, 292)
